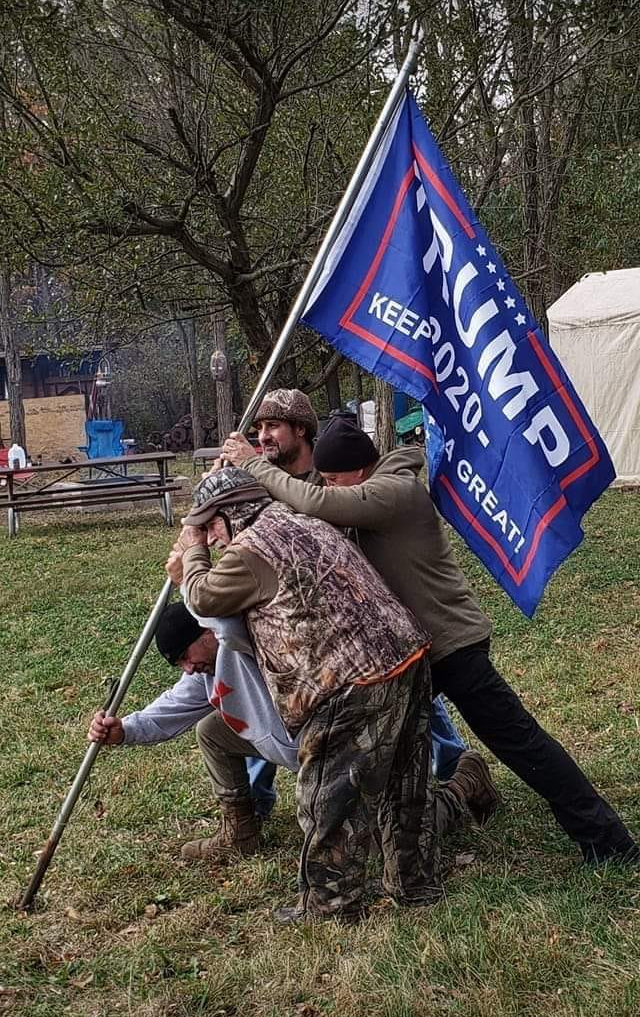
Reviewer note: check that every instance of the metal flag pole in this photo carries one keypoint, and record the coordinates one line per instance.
(111, 709)
(317, 267)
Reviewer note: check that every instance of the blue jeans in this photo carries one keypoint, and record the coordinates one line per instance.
(447, 746)
(447, 743)
(261, 777)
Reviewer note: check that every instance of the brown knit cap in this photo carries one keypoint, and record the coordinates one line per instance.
(288, 404)
(226, 487)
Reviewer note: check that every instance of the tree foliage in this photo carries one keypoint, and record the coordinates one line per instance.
(168, 158)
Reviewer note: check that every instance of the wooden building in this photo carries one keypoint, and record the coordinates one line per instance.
(44, 376)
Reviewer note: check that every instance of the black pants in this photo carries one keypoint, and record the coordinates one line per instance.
(495, 714)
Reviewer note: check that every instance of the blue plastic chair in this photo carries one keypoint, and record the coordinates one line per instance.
(103, 439)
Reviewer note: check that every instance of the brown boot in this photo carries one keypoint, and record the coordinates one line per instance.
(239, 834)
(472, 785)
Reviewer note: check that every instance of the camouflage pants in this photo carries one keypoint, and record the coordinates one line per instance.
(365, 759)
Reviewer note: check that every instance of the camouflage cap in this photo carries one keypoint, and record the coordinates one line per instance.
(288, 404)
(228, 486)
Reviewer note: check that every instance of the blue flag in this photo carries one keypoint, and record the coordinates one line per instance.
(415, 292)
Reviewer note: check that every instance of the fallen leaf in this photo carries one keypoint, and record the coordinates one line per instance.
(151, 911)
(73, 914)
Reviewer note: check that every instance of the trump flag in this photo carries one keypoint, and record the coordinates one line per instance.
(414, 291)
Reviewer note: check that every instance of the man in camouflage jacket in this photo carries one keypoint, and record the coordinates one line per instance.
(346, 666)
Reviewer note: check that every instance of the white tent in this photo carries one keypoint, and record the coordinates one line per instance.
(595, 330)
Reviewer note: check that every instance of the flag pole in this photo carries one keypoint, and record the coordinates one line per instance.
(338, 221)
(111, 708)
(299, 304)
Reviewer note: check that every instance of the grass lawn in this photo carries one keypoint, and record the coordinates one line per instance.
(122, 926)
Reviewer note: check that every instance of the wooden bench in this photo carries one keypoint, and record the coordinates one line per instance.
(112, 488)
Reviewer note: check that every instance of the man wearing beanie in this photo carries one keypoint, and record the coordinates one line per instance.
(222, 694)
(345, 665)
(398, 529)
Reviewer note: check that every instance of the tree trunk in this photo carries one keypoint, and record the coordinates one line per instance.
(188, 333)
(332, 383)
(385, 423)
(287, 374)
(522, 37)
(224, 390)
(356, 379)
(12, 360)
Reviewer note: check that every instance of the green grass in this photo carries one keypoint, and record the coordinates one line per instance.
(122, 926)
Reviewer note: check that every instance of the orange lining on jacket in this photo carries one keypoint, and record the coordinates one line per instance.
(397, 670)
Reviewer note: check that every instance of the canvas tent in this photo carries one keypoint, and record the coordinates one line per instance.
(595, 330)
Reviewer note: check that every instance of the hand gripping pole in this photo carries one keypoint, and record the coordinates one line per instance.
(111, 707)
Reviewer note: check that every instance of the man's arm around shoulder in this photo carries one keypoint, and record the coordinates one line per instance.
(371, 505)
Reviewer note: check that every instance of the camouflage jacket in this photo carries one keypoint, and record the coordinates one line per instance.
(331, 621)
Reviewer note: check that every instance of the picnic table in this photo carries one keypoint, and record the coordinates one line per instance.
(32, 490)
(205, 455)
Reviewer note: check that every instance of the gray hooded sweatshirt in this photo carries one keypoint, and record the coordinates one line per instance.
(237, 690)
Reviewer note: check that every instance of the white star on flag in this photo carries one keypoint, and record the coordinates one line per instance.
(500, 284)
(481, 250)
(491, 267)
(510, 302)
(520, 318)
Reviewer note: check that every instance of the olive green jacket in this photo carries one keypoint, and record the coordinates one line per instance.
(402, 535)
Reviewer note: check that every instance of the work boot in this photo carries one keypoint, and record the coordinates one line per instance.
(472, 785)
(296, 915)
(239, 834)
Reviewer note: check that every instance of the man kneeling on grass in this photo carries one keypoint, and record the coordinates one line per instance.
(223, 694)
(241, 737)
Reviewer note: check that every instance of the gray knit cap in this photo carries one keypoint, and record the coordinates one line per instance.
(288, 404)
(221, 490)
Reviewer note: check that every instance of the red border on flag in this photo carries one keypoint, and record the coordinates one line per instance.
(520, 575)
(347, 322)
(446, 195)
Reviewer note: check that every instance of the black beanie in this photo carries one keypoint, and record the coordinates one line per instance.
(342, 447)
(177, 630)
